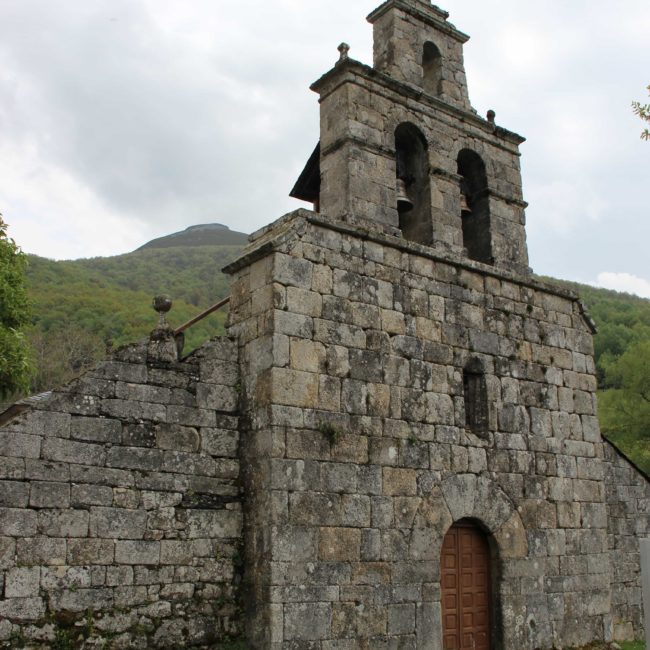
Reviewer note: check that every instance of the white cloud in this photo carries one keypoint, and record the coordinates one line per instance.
(563, 205)
(54, 207)
(146, 116)
(623, 282)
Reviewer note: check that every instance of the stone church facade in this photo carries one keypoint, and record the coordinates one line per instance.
(395, 446)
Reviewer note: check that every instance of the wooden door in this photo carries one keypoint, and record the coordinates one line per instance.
(465, 588)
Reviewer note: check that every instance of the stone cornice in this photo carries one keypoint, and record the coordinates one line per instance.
(427, 13)
(346, 71)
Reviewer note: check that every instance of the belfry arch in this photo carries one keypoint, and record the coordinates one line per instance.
(413, 184)
(475, 206)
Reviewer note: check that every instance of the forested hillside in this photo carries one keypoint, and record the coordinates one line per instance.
(82, 306)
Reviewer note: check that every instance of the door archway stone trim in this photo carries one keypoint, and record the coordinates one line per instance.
(467, 496)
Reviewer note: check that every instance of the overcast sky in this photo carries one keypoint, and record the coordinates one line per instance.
(124, 120)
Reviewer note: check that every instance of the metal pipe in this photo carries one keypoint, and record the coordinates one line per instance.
(202, 315)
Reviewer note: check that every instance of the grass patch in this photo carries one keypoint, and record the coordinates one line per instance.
(632, 645)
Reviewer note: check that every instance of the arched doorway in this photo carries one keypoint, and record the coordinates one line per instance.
(465, 588)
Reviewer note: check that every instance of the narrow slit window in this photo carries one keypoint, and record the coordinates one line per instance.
(476, 403)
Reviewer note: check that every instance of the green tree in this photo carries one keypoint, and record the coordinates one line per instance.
(643, 111)
(625, 411)
(15, 366)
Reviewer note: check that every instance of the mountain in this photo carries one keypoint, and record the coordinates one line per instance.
(207, 234)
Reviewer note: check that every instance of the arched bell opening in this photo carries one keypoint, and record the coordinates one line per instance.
(469, 578)
(475, 207)
(431, 69)
(413, 184)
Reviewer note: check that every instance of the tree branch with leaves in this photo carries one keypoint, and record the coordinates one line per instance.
(15, 363)
(643, 111)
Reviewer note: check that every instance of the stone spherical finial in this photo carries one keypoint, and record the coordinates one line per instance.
(490, 116)
(343, 49)
(162, 304)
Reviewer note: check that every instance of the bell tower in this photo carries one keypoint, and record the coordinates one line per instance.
(402, 149)
(414, 43)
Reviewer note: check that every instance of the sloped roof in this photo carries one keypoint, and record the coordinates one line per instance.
(307, 187)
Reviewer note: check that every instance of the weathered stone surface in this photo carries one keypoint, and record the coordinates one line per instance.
(22, 609)
(22, 582)
(307, 621)
(35, 551)
(117, 523)
(69, 451)
(17, 522)
(46, 494)
(63, 523)
(339, 544)
(95, 429)
(137, 552)
(216, 524)
(90, 551)
(72, 530)
(13, 494)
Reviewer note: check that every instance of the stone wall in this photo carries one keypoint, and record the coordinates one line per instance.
(120, 508)
(628, 507)
(353, 345)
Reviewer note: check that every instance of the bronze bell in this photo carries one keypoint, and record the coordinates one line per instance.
(404, 204)
(464, 206)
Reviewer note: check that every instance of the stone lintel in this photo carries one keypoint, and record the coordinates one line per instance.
(427, 13)
(351, 71)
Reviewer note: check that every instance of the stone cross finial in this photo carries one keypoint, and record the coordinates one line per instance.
(343, 48)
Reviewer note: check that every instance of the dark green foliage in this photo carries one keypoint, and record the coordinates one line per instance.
(15, 367)
(82, 306)
(625, 409)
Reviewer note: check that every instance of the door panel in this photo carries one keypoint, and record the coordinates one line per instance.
(465, 584)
